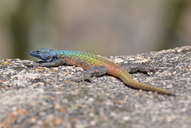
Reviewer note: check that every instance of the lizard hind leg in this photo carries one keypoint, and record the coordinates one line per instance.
(94, 71)
(89, 73)
(132, 68)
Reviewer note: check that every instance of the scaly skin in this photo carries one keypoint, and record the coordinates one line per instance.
(90, 61)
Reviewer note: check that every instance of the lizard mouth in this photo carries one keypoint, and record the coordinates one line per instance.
(32, 53)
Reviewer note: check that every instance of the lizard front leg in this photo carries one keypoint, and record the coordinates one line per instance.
(54, 63)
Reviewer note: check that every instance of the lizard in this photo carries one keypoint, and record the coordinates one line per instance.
(94, 65)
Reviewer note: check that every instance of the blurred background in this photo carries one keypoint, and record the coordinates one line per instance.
(104, 27)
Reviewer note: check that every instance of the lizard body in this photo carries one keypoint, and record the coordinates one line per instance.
(95, 65)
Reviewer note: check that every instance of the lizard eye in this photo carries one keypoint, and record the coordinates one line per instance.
(37, 52)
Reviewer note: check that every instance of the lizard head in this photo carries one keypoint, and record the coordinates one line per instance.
(47, 55)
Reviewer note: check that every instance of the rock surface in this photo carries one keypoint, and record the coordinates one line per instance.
(46, 97)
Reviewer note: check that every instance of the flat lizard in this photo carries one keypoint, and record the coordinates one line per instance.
(95, 65)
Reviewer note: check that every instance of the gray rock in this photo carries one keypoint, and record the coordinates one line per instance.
(46, 97)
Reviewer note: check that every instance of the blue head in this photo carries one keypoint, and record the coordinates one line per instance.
(47, 55)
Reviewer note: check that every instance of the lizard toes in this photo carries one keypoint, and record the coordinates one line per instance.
(80, 79)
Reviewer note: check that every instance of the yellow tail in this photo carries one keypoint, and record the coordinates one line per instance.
(128, 80)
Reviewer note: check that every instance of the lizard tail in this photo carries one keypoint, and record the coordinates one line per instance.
(128, 80)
